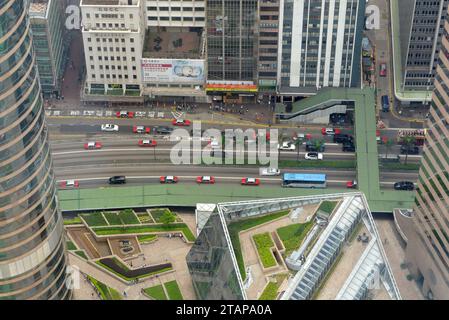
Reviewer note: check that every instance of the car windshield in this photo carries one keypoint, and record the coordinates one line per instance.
(206, 178)
(169, 178)
(251, 180)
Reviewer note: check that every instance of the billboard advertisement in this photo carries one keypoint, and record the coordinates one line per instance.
(173, 71)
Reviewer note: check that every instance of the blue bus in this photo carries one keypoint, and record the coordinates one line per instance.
(300, 180)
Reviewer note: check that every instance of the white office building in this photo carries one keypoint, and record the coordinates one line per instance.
(175, 13)
(113, 35)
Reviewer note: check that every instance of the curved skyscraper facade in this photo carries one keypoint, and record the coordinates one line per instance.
(32, 249)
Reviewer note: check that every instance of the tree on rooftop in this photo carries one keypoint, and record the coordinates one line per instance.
(168, 217)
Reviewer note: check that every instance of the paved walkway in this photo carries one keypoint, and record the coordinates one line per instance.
(396, 255)
(164, 249)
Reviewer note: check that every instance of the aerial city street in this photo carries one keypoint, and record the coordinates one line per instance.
(224, 150)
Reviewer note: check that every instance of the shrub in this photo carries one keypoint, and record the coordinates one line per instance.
(128, 217)
(158, 213)
(70, 245)
(81, 253)
(94, 219)
(264, 243)
(167, 218)
(115, 266)
(106, 293)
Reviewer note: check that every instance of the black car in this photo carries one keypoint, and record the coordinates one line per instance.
(411, 150)
(348, 147)
(312, 147)
(343, 138)
(117, 180)
(164, 130)
(404, 185)
(337, 118)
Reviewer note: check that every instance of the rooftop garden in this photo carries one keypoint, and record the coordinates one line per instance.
(236, 227)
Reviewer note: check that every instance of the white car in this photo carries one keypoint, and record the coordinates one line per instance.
(109, 127)
(287, 146)
(269, 172)
(313, 156)
(214, 144)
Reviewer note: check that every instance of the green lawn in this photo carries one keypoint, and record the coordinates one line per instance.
(158, 213)
(70, 245)
(173, 291)
(156, 292)
(147, 238)
(94, 219)
(82, 254)
(75, 220)
(235, 227)
(270, 292)
(106, 293)
(128, 217)
(113, 218)
(327, 206)
(293, 235)
(264, 243)
(147, 229)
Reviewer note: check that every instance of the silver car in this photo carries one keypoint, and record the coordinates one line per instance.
(109, 127)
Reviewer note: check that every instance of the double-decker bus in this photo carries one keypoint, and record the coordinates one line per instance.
(300, 180)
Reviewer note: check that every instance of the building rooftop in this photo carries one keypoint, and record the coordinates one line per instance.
(38, 8)
(341, 254)
(173, 43)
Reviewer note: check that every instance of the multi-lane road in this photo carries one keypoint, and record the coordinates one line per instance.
(121, 155)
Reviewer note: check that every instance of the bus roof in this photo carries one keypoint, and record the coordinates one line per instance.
(305, 177)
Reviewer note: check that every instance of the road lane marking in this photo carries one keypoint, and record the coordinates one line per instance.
(192, 150)
(188, 177)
